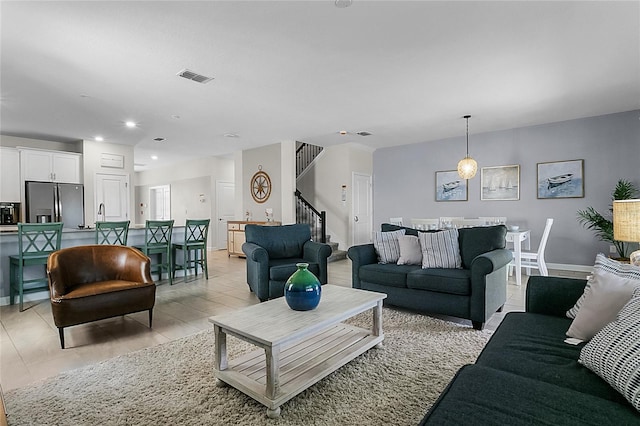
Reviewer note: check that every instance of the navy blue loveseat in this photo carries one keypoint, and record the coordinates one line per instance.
(474, 292)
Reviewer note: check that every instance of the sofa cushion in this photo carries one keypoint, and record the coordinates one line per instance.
(440, 249)
(452, 281)
(532, 345)
(410, 251)
(478, 240)
(603, 263)
(391, 275)
(614, 353)
(282, 269)
(485, 396)
(387, 246)
(607, 295)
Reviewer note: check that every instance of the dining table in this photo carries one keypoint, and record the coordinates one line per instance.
(517, 238)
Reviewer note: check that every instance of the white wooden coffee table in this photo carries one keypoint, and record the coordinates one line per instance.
(298, 349)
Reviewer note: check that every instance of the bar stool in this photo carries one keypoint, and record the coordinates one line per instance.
(36, 241)
(157, 240)
(195, 239)
(113, 233)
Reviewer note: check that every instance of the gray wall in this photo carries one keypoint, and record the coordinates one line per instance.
(404, 177)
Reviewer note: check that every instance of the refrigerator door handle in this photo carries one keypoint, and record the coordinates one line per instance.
(57, 204)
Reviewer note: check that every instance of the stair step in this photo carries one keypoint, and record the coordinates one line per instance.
(337, 255)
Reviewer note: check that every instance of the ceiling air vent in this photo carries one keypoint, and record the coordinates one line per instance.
(190, 75)
(363, 133)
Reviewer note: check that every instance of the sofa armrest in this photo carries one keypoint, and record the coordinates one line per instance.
(363, 254)
(315, 252)
(491, 261)
(255, 253)
(553, 295)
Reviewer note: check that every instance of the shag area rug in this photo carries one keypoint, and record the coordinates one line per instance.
(174, 384)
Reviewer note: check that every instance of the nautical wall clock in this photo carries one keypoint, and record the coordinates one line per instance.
(260, 186)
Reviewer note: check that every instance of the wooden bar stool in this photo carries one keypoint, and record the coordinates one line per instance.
(157, 240)
(195, 239)
(113, 233)
(36, 241)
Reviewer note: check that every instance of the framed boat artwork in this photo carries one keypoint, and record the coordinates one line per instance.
(561, 179)
(450, 186)
(500, 183)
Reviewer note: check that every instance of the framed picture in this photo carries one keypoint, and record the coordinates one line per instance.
(450, 186)
(561, 179)
(500, 183)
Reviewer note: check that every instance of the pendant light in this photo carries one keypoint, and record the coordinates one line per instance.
(467, 167)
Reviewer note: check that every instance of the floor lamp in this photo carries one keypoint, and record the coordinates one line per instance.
(626, 224)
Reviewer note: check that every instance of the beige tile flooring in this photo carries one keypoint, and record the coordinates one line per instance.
(30, 349)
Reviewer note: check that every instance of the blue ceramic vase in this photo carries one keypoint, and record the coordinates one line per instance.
(302, 290)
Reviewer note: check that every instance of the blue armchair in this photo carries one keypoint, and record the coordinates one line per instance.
(272, 253)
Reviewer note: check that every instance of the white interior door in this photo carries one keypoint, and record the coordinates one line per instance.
(160, 202)
(225, 204)
(361, 207)
(113, 191)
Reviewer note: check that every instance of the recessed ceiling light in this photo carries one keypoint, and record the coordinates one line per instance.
(343, 3)
(175, 117)
(99, 138)
(154, 157)
(231, 135)
(159, 139)
(343, 132)
(130, 124)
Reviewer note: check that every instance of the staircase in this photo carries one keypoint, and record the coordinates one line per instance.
(305, 211)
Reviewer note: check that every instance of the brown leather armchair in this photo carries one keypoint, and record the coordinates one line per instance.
(94, 282)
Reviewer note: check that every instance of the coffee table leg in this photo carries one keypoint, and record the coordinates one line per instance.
(273, 377)
(377, 322)
(221, 352)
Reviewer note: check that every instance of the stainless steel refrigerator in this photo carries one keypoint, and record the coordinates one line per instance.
(55, 202)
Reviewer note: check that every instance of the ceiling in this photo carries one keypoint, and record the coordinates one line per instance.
(304, 70)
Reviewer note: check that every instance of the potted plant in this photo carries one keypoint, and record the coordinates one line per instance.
(603, 226)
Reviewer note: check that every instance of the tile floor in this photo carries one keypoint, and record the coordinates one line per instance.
(30, 349)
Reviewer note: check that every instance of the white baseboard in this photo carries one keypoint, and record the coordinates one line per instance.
(31, 297)
(568, 267)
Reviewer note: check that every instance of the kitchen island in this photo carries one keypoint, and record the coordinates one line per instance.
(71, 237)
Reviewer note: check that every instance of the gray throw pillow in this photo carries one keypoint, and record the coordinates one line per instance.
(410, 252)
(607, 294)
(614, 353)
(603, 263)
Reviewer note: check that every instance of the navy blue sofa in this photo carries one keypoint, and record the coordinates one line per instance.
(474, 292)
(527, 375)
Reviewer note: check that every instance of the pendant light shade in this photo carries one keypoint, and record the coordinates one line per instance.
(467, 167)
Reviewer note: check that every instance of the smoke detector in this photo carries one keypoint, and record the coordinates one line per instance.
(190, 75)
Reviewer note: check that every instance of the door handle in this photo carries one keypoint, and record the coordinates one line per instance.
(355, 219)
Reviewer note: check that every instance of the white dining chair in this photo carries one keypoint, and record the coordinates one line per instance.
(395, 221)
(493, 220)
(425, 223)
(451, 221)
(535, 260)
(470, 223)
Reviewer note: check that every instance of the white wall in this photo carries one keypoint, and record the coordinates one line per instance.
(92, 152)
(321, 185)
(193, 190)
(269, 159)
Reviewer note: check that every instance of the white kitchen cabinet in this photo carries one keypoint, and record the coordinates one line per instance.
(50, 166)
(9, 175)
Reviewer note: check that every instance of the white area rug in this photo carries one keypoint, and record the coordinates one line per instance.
(173, 384)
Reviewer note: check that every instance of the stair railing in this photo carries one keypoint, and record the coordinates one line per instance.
(305, 154)
(306, 213)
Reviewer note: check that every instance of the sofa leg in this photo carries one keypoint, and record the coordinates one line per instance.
(150, 317)
(61, 333)
(500, 308)
(477, 325)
